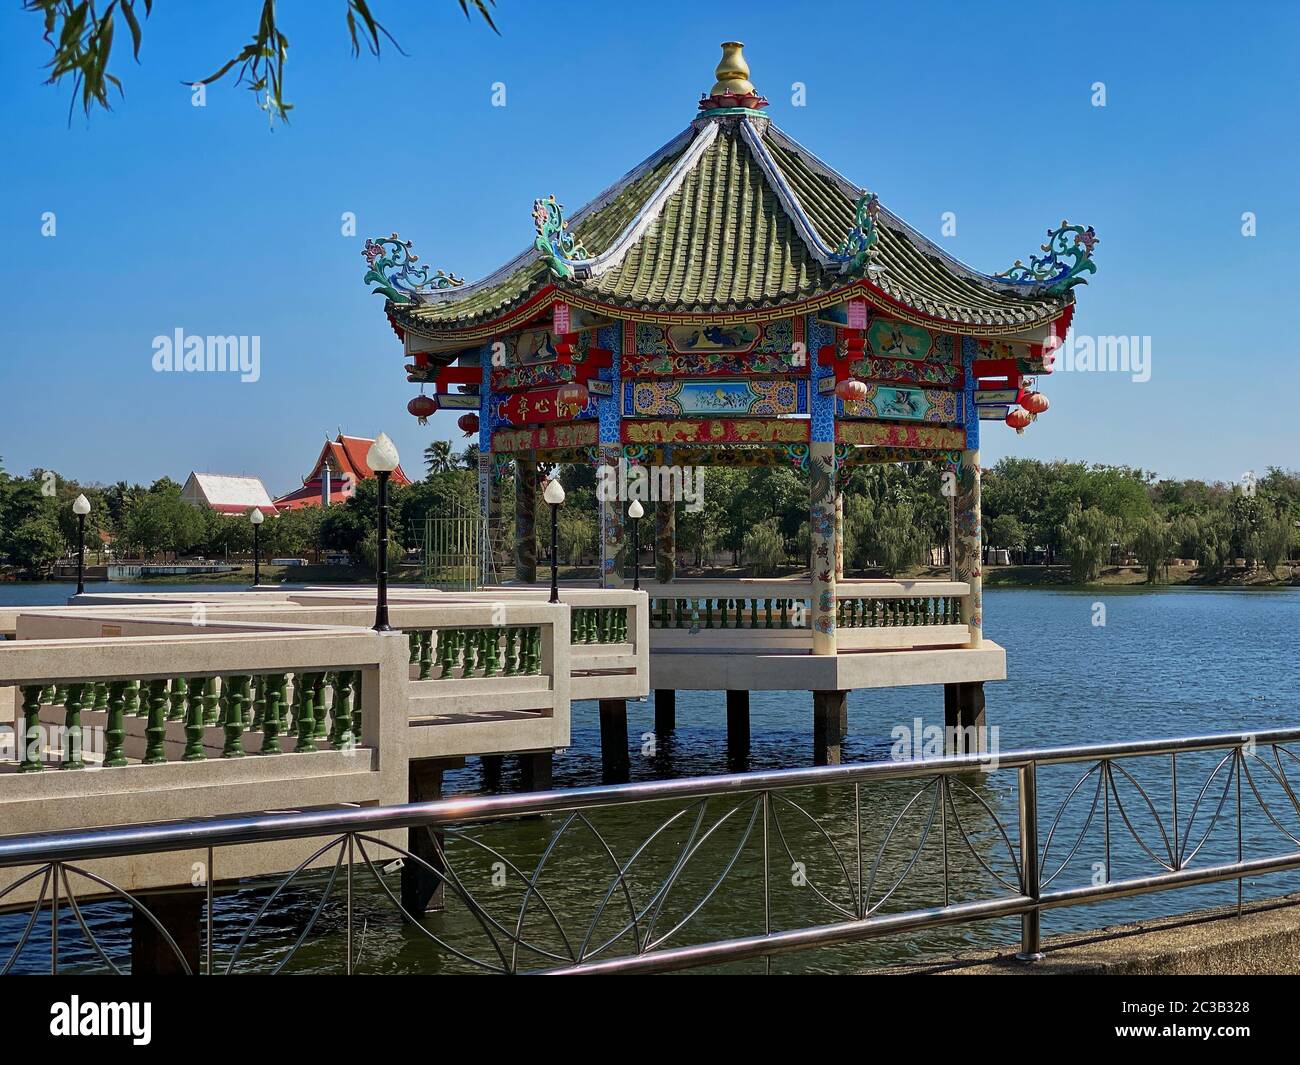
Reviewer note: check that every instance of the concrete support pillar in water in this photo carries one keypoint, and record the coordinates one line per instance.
(964, 719)
(181, 914)
(665, 710)
(526, 518)
(613, 740)
(830, 725)
(824, 540)
(737, 724)
(969, 543)
(491, 765)
(423, 888)
(535, 770)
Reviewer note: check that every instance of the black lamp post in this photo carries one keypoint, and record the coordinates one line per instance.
(382, 458)
(635, 511)
(257, 517)
(81, 507)
(554, 495)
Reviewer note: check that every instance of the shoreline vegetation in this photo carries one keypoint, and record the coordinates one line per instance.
(1058, 523)
(995, 576)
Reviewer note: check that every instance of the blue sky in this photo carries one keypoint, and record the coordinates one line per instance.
(171, 216)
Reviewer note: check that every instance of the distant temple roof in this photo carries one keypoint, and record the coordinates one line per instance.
(731, 216)
(227, 493)
(346, 458)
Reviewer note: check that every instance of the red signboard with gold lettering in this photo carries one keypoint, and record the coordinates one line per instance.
(537, 407)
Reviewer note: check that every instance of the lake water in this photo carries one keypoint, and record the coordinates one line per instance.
(1166, 662)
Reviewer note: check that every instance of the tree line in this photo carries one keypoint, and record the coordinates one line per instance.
(896, 518)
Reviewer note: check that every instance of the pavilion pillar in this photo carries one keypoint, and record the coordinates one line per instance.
(613, 534)
(969, 543)
(839, 534)
(526, 518)
(665, 534)
(823, 539)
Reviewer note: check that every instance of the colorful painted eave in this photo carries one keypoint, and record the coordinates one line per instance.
(730, 218)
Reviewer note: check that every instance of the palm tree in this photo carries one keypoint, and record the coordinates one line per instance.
(438, 457)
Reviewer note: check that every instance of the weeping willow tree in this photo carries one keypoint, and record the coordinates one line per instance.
(1086, 536)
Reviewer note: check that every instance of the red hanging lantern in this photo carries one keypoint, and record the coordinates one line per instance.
(1018, 419)
(468, 424)
(573, 394)
(851, 390)
(1034, 402)
(422, 406)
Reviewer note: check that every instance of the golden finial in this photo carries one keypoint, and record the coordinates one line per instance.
(733, 72)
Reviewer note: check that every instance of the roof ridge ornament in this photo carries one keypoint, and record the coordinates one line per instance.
(859, 246)
(558, 246)
(733, 90)
(394, 274)
(1050, 269)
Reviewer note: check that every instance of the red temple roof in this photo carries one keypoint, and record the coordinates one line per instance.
(346, 457)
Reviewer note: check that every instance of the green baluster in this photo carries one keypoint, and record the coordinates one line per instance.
(72, 728)
(722, 619)
(115, 734)
(271, 719)
(60, 695)
(493, 663)
(534, 652)
(176, 712)
(753, 613)
(622, 625)
(320, 696)
(211, 701)
(767, 608)
(341, 718)
(236, 696)
(100, 701)
(785, 614)
(426, 654)
(511, 667)
(354, 691)
(304, 722)
(413, 642)
(155, 730)
(194, 751)
(31, 761)
(259, 701)
(135, 698)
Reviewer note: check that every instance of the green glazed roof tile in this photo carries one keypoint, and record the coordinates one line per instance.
(723, 241)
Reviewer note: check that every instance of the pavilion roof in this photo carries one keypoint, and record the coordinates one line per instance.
(734, 216)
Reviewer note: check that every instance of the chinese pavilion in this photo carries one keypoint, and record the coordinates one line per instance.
(733, 299)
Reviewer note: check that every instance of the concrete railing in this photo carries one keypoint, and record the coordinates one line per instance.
(156, 720)
(495, 674)
(775, 615)
(608, 628)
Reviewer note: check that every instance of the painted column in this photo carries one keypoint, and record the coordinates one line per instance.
(839, 532)
(823, 534)
(489, 500)
(666, 529)
(969, 535)
(525, 517)
(612, 531)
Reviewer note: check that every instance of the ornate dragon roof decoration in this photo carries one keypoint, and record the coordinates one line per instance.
(394, 274)
(1050, 269)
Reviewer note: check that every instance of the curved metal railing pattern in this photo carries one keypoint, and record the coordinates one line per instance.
(874, 849)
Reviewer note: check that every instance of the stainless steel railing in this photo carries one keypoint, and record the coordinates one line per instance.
(1252, 773)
